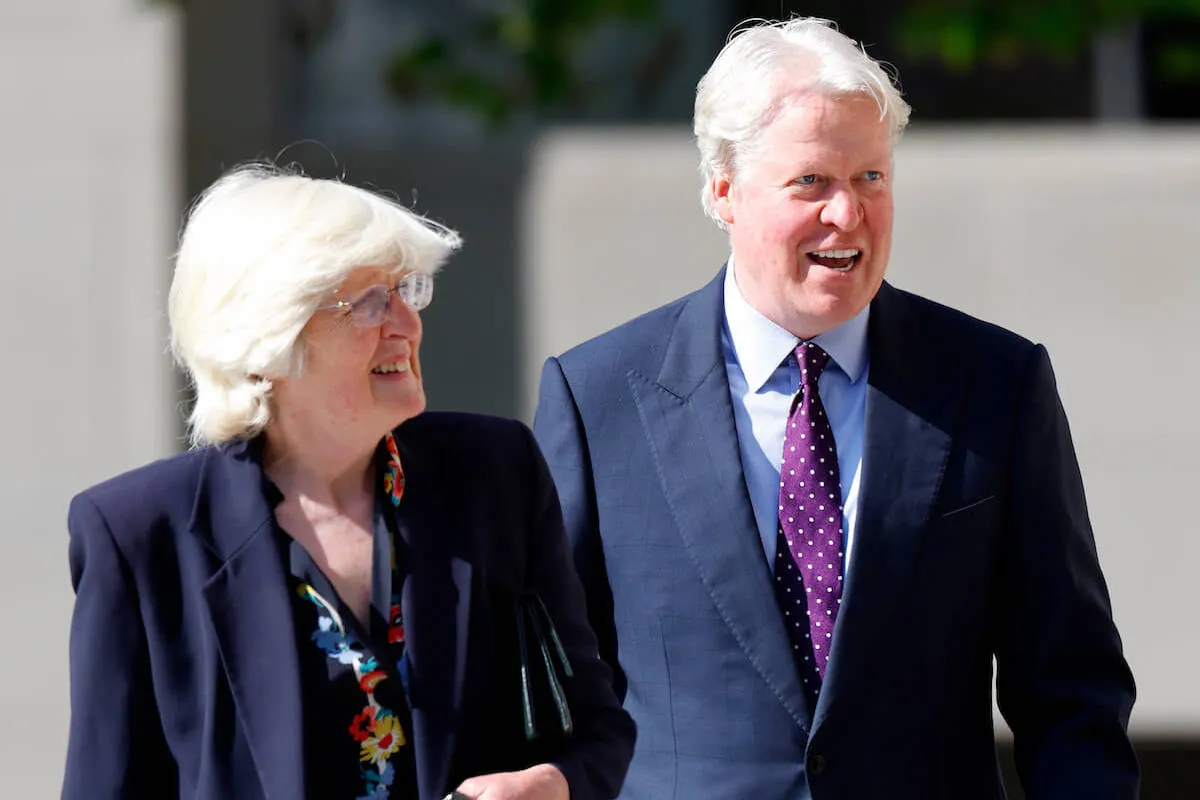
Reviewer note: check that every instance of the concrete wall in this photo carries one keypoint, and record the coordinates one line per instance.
(1083, 239)
(88, 97)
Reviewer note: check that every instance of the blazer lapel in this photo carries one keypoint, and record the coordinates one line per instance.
(688, 418)
(251, 615)
(436, 603)
(911, 408)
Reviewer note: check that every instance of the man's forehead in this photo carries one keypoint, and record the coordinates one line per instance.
(818, 100)
(844, 124)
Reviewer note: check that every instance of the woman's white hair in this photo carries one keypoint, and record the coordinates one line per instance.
(262, 248)
(760, 67)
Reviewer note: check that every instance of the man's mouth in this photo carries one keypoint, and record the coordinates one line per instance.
(388, 369)
(837, 260)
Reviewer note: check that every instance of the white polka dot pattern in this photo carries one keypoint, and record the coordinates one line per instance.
(808, 558)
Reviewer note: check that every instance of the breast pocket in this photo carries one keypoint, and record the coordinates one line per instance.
(968, 525)
(955, 579)
(959, 547)
(964, 510)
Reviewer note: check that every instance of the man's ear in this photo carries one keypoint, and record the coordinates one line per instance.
(721, 188)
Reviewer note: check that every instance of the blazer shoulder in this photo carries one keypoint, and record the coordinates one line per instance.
(630, 338)
(969, 337)
(145, 482)
(600, 365)
(449, 427)
(457, 437)
(132, 502)
(485, 458)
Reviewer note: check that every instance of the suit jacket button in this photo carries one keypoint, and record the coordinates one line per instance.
(816, 764)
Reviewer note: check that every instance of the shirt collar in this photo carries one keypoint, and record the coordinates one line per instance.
(760, 346)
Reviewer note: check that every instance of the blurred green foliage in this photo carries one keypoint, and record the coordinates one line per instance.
(520, 56)
(964, 33)
(534, 41)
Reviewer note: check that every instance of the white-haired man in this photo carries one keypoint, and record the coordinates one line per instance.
(810, 509)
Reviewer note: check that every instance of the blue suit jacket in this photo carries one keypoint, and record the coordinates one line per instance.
(973, 542)
(184, 672)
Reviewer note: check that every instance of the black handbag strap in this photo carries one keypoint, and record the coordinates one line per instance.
(553, 657)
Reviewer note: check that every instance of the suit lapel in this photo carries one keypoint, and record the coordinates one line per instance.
(688, 418)
(251, 615)
(436, 602)
(910, 411)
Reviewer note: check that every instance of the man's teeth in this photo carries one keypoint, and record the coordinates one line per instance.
(383, 369)
(836, 260)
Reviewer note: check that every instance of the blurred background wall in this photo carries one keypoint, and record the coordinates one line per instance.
(1049, 183)
(90, 176)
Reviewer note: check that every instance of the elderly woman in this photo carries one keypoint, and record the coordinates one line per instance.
(333, 595)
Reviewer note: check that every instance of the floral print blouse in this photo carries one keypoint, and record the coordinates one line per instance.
(354, 677)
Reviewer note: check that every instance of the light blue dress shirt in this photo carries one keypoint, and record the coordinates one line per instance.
(763, 378)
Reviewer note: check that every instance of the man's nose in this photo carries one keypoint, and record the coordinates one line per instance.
(843, 210)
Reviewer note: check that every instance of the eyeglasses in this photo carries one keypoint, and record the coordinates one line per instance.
(370, 308)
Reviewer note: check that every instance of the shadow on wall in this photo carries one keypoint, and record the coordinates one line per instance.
(1169, 769)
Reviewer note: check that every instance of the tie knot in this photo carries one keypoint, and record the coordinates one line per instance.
(812, 360)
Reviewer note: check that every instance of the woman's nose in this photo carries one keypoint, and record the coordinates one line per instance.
(400, 319)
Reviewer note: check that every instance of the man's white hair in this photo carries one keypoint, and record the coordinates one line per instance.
(759, 68)
(262, 248)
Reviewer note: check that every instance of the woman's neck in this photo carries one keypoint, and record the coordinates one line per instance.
(331, 468)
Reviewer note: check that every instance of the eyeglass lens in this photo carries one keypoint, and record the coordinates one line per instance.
(414, 289)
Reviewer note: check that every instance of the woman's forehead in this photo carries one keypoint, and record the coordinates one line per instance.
(362, 277)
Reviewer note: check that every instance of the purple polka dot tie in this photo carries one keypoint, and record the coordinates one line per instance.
(808, 551)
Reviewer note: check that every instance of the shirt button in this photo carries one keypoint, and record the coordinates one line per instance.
(816, 764)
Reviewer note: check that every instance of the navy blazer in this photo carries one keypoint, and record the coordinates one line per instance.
(972, 543)
(184, 672)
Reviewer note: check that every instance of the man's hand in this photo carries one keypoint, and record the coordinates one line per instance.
(541, 782)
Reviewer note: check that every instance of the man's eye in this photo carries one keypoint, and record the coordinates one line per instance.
(873, 175)
(806, 180)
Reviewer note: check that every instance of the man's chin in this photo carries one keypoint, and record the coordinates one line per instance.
(815, 312)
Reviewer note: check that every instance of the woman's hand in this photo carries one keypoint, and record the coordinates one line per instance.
(541, 782)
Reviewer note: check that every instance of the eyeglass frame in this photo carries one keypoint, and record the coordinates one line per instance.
(416, 303)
